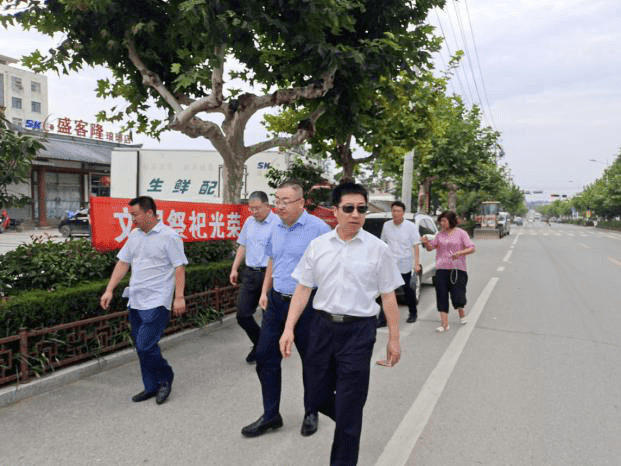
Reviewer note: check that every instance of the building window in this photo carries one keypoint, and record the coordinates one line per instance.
(17, 122)
(35, 87)
(16, 83)
(35, 107)
(16, 102)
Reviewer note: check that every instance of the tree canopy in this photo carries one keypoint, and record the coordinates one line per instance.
(172, 55)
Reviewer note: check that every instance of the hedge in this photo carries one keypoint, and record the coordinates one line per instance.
(46, 265)
(42, 308)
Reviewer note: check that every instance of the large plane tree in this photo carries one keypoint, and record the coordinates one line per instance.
(179, 55)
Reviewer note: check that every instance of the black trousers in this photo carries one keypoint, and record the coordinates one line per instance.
(410, 298)
(338, 369)
(268, 351)
(453, 283)
(247, 302)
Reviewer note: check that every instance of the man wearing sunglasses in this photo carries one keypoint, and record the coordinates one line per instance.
(350, 268)
(285, 245)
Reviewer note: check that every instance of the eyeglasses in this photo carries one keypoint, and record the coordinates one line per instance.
(349, 208)
(284, 203)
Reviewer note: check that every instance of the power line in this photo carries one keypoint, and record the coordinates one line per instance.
(489, 107)
(467, 52)
(448, 48)
(483, 103)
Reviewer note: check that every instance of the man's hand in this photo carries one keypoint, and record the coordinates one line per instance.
(263, 301)
(233, 277)
(286, 342)
(179, 306)
(105, 299)
(393, 352)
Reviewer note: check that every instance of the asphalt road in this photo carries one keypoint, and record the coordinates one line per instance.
(10, 239)
(531, 380)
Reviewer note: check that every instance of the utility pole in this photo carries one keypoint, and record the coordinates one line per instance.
(406, 187)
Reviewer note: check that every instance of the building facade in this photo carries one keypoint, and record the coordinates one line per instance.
(23, 95)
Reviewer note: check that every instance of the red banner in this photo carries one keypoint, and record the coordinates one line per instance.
(111, 222)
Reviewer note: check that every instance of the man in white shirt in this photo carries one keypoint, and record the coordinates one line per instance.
(350, 268)
(155, 253)
(403, 239)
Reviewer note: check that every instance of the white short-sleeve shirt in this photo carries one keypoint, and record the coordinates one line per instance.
(400, 239)
(153, 257)
(349, 275)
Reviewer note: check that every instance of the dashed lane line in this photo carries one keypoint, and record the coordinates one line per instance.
(614, 261)
(507, 256)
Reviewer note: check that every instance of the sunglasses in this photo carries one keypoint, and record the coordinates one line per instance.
(349, 208)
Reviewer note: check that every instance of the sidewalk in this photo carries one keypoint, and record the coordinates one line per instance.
(85, 416)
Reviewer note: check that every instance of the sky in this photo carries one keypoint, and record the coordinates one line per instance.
(547, 74)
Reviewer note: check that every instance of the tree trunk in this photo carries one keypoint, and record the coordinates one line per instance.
(423, 195)
(232, 177)
(452, 196)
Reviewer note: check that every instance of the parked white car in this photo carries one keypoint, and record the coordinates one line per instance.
(427, 227)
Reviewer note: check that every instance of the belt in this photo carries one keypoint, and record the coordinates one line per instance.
(340, 318)
(283, 296)
(256, 269)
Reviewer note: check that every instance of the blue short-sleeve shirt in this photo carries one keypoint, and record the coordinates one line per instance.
(254, 236)
(286, 246)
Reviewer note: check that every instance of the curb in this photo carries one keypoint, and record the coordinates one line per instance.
(14, 393)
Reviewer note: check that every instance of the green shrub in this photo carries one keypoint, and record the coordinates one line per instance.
(42, 308)
(209, 251)
(46, 265)
(610, 224)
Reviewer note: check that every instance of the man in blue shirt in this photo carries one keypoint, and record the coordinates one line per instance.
(155, 253)
(252, 241)
(286, 245)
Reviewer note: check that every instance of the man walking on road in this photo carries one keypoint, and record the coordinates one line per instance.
(155, 253)
(350, 268)
(290, 237)
(252, 241)
(402, 238)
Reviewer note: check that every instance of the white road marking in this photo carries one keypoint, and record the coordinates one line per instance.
(507, 256)
(614, 261)
(585, 245)
(402, 443)
(500, 269)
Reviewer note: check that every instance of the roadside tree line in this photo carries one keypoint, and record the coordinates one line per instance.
(601, 199)
(354, 82)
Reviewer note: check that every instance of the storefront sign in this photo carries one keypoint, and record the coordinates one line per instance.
(79, 128)
(111, 222)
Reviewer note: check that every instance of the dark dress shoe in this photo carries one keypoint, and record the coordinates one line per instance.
(252, 356)
(260, 426)
(163, 392)
(143, 395)
(411, 319)
(309, 424)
